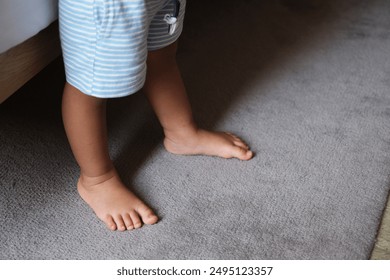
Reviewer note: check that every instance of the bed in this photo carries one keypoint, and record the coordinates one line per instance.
(29, 41)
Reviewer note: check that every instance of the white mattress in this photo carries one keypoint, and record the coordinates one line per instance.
(22, 19)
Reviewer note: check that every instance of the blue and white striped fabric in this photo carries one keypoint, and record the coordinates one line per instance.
(105, 42)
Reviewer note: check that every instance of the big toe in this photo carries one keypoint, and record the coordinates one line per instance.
(147, 215)
(150, 220)
(242, 153)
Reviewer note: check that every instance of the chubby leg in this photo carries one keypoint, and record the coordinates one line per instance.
(99, 184)
(166, 92)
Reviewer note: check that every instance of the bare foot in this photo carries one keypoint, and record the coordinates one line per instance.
(113, 203)
(203, 142)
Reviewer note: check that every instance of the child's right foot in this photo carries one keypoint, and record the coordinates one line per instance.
(113, 203)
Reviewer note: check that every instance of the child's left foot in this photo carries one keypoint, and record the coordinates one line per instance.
(203, 142)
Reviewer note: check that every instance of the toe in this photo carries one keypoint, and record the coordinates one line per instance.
(248, 155)
(128, 222)
(109, 221)
(150, 219)
(136, 220)
(237, 140)
(242, 153)
(147, 215)
(241, 144)
(235, 137)
(232, 135)
(120, 224)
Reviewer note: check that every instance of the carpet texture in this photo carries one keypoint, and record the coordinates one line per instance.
(305, 83)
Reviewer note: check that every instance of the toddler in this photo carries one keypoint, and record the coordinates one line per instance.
(114, 48)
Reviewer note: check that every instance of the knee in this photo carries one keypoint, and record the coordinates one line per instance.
(74, 95)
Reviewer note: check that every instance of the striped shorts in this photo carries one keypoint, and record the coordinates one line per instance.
(105, 42)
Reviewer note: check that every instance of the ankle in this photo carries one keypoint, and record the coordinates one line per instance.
(181, 133)
(88, 181)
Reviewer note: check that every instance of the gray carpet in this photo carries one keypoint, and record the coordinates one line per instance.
(306, 84)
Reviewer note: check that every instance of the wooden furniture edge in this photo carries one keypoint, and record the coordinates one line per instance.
(22, 62)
